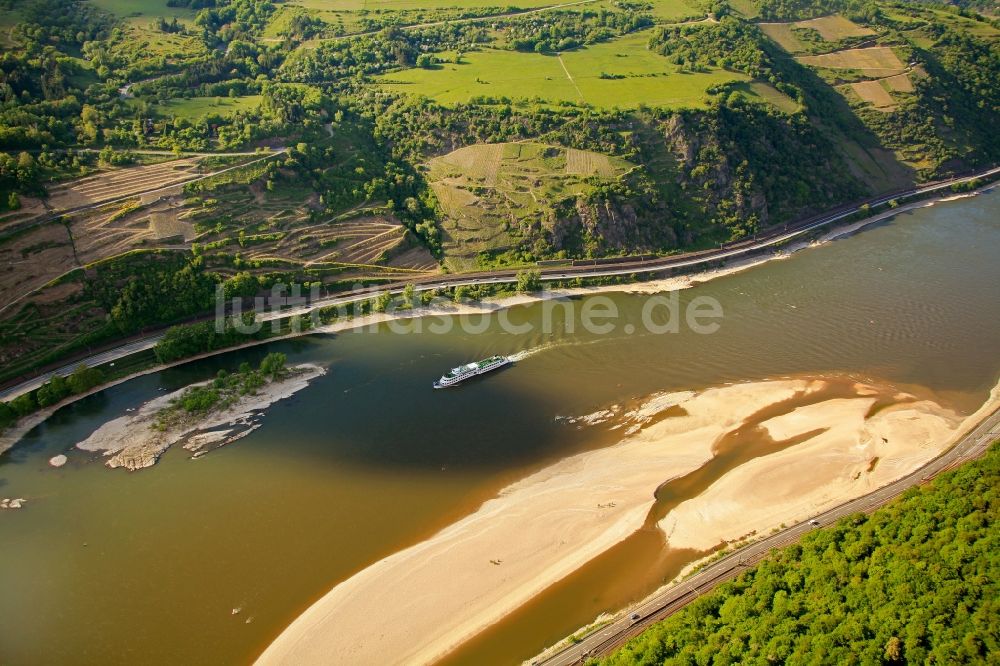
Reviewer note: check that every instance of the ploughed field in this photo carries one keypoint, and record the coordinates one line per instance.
(116, 184)
(851, 57)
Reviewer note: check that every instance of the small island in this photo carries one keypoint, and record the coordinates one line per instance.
(202, 416)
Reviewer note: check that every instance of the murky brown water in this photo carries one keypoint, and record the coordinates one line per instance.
(103, 566)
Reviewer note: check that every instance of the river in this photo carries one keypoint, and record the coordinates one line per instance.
(106, 566)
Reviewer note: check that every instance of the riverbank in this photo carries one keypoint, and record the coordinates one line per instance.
(418, 604)
(749, 497)
(138, 440)
(14, 433)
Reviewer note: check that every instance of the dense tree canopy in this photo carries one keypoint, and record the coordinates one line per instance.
(918, 581)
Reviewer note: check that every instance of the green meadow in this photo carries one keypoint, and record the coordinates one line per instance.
(675, 10)
(199, 107)
(409, 5)
(621, 73)
(143, 8)
(765, 92)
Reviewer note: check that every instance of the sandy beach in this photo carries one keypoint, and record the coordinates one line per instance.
(853, 456)
(132, 442)
(418, 604)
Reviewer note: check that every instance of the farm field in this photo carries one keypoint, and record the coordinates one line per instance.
(42, 284)
(900, 83)
(42, 253)
(119, 183)
(280, 227)
(574, 76)
(831, 28)
(783, 35)
(835, 27)
(874, 61)
(199, 107)
(873, 93)
(492, 193)
(144, 8)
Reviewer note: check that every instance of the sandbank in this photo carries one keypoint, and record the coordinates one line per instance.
(132, 442)
(418, 604)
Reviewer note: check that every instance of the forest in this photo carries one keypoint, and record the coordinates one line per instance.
(917, 581)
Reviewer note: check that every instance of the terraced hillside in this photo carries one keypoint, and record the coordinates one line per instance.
(494, 195)
(121, 183)
(53, 274)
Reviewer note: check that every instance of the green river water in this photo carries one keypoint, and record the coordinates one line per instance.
(108, 567)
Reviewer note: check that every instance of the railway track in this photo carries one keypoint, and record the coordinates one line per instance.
(617, 266)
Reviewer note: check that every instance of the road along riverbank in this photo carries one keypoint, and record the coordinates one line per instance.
(674, 265)
(682, 280)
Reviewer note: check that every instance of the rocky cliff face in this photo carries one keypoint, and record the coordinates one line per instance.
(708, 172)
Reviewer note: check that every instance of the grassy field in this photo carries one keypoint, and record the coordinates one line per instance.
(199, 107)
(666, 10)
(280, 21)
(406, 5)
(494, 194)
(765, 92)
(746, 8)
(978, 28)
(632, 75)
(144, 8)
(344, 15)
(8, 19)
(675, 10)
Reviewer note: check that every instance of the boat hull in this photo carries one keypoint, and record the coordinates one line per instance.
(441, 384)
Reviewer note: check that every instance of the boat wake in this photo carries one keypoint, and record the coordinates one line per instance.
(526, 353)
(549, 346)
